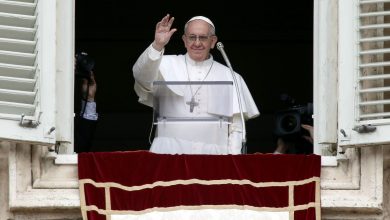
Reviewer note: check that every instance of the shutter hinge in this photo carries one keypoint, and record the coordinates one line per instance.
(30, 122)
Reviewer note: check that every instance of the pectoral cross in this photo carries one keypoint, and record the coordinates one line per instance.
(192, 104)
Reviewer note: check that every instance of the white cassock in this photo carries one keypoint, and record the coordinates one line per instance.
(200, 137)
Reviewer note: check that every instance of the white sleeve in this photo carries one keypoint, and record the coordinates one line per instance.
(146, 68)
(90, 110)
(235, 135)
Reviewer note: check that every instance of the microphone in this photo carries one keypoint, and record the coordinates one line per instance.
(220, 47)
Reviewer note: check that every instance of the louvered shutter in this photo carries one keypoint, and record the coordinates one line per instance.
(364, 72)
(27, 70)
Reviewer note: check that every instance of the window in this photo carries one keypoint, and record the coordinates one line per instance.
(364, 101)
(351, 63)
(28, 72)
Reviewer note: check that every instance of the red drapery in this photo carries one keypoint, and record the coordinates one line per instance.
(140, 182)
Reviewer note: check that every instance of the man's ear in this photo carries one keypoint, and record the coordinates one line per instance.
(183, 37)
(214, 41)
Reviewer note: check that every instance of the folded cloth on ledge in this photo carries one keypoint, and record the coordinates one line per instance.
(144, 185)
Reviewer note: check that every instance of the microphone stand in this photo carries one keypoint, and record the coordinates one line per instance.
(220, 47)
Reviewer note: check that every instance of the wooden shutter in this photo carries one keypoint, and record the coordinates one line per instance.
(27, 70)
(364, 72)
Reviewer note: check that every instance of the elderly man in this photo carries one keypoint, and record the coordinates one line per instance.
(196, 65)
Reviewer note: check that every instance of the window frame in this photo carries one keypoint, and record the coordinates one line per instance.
(55, 79)
(348, 84)
(325, 70)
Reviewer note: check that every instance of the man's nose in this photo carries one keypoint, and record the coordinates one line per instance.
(197, 41)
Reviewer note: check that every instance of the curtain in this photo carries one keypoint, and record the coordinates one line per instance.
(144, 185)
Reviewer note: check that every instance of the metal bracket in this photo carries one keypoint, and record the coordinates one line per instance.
(342, 131)
(364, 128)
(29, 122)
(342, 150)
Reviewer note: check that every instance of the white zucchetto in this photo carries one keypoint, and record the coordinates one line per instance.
(203, 18)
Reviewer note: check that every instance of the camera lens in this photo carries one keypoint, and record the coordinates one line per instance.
(289, 123)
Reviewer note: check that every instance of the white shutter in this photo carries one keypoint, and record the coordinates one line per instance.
(325, 77)
(65, 74)
(27, 70)
(364, 73)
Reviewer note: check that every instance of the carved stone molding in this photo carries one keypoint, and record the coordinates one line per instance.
(37, 183)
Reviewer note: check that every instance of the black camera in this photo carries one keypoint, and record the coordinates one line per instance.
(288, 121)
(84, 65)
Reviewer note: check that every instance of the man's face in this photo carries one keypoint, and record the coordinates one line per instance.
(198, 40)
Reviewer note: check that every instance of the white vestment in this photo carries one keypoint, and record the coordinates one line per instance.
(199, 137)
